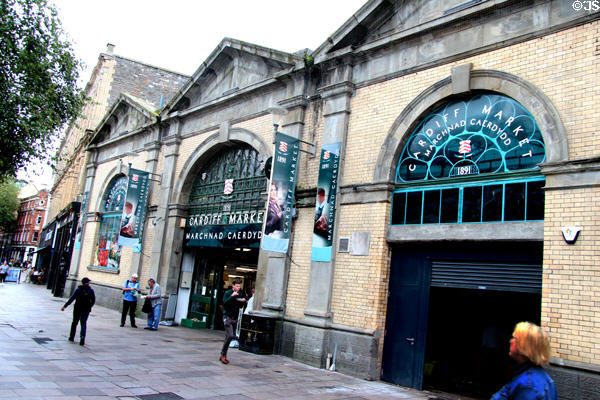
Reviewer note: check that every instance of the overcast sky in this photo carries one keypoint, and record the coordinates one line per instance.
(180, 34)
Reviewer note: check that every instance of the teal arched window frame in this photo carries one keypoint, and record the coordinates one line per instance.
(486, 134)
(471, 161)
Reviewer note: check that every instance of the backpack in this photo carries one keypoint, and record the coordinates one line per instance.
(85, 297)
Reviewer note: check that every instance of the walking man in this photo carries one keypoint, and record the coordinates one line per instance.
(233, 300)
(155, 297)
(131, 288)
(85, 299)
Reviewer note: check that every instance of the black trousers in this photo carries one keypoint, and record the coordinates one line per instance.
(128, 306)
(230, 327)
(2, 277)
(79, 317)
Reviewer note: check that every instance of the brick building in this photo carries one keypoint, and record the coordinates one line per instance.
(112, 76)
(30, 220)
(465, 198)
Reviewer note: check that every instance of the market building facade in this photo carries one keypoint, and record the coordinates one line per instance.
(446, 188)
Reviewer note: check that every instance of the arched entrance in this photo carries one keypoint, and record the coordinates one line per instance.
(466, 175)
(223, 231)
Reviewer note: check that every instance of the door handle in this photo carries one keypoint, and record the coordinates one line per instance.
(410, 340)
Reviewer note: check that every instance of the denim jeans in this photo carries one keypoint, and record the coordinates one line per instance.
(154, 316)
(79, 317)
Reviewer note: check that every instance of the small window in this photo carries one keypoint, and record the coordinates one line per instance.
(413, 207)
(38, 219)
(449, 206)
(492, 203)
(35, 236)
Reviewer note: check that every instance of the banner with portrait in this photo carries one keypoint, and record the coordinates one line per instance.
(134, 209)
(329, 165)
(278, 223)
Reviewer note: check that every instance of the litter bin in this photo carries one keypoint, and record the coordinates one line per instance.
(257, 333)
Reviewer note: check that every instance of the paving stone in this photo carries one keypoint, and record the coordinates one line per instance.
(126, 364)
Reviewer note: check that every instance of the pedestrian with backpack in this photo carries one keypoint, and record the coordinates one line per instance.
(85, 299)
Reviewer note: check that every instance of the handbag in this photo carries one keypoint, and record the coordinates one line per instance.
(147, 307)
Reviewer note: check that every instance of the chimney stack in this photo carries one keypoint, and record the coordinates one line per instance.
(110, 48)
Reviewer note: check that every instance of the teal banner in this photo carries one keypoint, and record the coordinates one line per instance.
(239, 229)
(134, 209)
(325, 205)
(281, 194)
(82, 213)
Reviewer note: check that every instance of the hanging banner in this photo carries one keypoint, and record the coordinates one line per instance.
(134, 209)
(281, 194)
(325, 206)
(81, 219)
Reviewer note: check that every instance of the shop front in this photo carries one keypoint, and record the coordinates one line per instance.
(222, 234)
(469, 192)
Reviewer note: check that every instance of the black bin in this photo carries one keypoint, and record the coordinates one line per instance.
(257, 334)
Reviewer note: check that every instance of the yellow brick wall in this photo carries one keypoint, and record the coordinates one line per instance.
(71, 184)
(570, 305)
(300, 266)
(187, 149)
(360, 282)
(562, 65)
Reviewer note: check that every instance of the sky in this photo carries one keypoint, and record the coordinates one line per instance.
(179, 35)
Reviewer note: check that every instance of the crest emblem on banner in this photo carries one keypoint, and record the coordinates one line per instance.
(283, 146)
(228, 188)
(326, 155)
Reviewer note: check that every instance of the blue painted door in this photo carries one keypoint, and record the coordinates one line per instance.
(406, 325)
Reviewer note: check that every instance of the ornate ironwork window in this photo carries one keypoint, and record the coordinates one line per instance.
(108, 252)
(471, 161)
(233, 181)
(489, 133)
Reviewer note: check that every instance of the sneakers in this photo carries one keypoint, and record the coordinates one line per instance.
(122, 325)
(71, 339)
(224, 360)
(148, 328)
(81, 342)
(134, 326)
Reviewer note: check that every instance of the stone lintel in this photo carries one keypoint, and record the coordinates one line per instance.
(507, 231)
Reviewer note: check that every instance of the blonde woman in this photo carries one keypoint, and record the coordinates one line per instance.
(530, 348)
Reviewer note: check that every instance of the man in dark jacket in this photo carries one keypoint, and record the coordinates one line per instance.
(233, 300)
(84, 298)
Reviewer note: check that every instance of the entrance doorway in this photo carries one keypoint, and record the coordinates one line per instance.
(451, 311)
(214, 271)
(467, 338)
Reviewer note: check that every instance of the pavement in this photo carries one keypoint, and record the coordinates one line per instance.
(38, 362)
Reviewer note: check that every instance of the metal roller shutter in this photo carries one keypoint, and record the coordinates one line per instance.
(505, 277)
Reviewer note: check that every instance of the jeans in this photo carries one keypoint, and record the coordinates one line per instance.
(154, 316)
(230, 326)
(79, 316)
(128, 306)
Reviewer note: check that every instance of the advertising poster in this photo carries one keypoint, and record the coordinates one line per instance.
(281, 194)
(81, 219)
(325, 204)
(134, 209)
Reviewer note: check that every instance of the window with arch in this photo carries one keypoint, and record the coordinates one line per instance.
(108, 252)
(471, 161)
